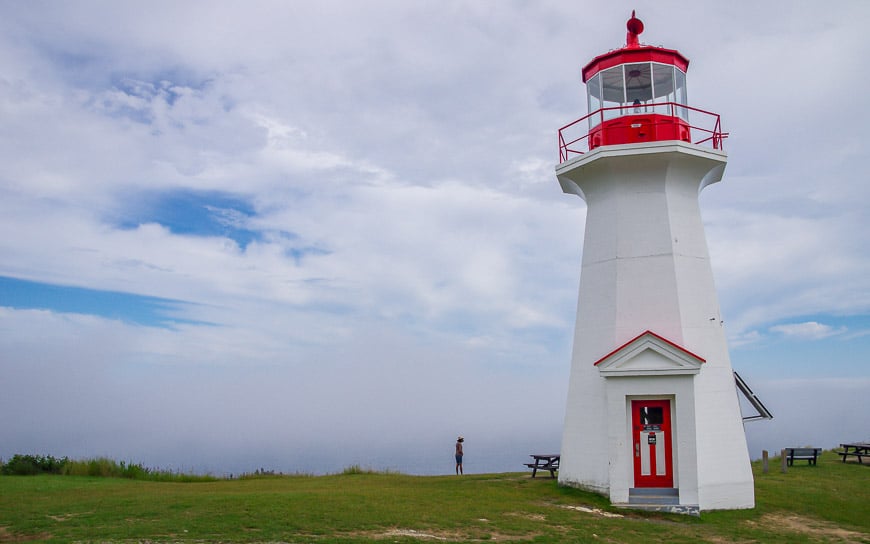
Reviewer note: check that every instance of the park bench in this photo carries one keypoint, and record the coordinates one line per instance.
(811, 455)
(549, 462)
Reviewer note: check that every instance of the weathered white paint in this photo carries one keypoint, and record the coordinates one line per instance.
(646, 267)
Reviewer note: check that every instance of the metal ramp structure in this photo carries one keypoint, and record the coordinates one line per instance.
(761, 411)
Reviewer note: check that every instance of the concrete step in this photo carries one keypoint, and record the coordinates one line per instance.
(658, 499)
(653, 495)
(685, 509)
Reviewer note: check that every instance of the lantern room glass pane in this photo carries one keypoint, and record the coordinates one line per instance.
(594, 102)
(638, 87)
(681, 96)
(663, 88)
(612, 91)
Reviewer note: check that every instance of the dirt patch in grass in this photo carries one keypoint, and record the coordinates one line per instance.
(7, 536)
(822, 530)
(527, 515)
(66, 517)
(434, 535)
(413, 534)
(594, 511)
(714, 539)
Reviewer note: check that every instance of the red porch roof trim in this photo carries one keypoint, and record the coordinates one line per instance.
(650, 333)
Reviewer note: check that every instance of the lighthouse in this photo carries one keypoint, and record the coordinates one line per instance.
(652, 416)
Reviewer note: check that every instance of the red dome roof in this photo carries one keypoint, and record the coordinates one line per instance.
(634, 52)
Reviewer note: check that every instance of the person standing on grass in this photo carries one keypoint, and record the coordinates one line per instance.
(459, 442)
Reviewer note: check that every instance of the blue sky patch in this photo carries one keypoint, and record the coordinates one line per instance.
(298, 253)
(127, 307)
(198, 213)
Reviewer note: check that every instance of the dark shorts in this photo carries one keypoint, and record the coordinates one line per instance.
(458, 459)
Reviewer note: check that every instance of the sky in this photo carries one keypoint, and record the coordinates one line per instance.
(301, 236)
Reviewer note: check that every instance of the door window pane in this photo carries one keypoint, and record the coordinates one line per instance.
(651, 415)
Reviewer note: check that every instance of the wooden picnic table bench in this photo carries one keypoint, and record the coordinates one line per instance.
(811, 455)
(545, 461)
(855, 449)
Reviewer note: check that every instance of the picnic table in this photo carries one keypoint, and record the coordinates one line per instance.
(856, 449)
(544, 461)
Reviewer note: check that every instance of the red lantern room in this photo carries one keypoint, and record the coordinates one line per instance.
(637, 94)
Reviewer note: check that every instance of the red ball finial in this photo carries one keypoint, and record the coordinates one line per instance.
(635, 27)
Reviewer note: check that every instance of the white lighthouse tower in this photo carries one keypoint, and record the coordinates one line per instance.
(652, 415)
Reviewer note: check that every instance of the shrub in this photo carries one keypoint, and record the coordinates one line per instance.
(106, 468)
(134, 471)
(25, 465)
(102, 467)
(356, 469)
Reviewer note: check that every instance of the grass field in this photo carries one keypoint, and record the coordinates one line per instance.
(827, 503)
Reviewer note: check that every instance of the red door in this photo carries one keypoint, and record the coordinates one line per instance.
(651, 437)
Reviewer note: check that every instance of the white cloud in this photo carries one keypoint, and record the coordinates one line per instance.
(744, 338)
(809, 330)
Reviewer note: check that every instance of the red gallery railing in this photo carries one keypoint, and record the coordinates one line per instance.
(574, 136)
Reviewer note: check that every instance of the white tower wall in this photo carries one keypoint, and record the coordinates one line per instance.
(646, 267)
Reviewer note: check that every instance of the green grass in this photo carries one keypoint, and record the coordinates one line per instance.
(828, 503)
